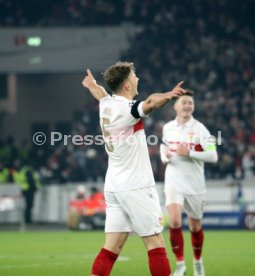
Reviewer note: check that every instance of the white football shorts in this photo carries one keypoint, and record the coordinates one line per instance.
(193, 205)
(135, 211)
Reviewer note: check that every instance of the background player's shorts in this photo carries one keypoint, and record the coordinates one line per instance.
(193, 205)
(134, 211)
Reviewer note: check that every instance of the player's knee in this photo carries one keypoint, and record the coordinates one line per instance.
(153, 242)
(195, 226)
(175, 222)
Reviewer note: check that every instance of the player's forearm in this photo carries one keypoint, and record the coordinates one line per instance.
(164, 158)
(156, 101)
(97, 91)
(205, 156)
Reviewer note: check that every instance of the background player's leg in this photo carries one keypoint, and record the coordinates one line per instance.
(176, 237)
(106, 258)
(197, 239)
(197, 236)
(157, 255)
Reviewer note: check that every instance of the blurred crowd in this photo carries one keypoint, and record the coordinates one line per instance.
(86, 212)
(211, 46)
(73, 12)
(59, 163)
(208, 44)
(53, 13)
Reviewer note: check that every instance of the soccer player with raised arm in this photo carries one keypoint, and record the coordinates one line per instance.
(186, 145)
(132, 203)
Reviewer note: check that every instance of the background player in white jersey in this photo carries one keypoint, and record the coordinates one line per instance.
(186, 145)
(132, 204)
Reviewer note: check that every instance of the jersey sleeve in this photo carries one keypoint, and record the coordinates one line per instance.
(137, 110)
(163, 149)
(131, 114)
(208, 142)
(107, 97)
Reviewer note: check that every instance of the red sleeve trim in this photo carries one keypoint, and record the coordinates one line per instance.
(138, 126)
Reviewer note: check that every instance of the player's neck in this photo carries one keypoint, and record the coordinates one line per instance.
(182, 120)
(125, 94)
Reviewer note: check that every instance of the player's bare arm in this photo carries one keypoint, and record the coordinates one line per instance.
(158, 100)
(209, 156)
(97, 91)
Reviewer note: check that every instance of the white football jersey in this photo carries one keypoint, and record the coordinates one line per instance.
(129, 164)
(185, 174)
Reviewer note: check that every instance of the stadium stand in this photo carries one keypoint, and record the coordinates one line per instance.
(216, 60)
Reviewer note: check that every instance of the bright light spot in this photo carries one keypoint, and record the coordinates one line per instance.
(34, 41)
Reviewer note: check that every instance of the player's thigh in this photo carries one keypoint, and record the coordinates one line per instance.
(174, 204)
(175, 215)
(117, 221)
(143, 209)
(194, 206)
(173, 197)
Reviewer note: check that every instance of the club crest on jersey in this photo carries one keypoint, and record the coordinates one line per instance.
(107, 111)
(190, 135)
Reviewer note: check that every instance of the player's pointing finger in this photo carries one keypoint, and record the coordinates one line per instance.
(89, 73)
(180, 83)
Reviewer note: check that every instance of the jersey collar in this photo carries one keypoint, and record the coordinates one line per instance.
(120, 98)
(188, 124)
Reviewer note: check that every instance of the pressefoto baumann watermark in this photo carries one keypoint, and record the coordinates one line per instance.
(39, 139)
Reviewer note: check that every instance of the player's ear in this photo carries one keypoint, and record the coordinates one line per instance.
(175, 105)
(126, 85)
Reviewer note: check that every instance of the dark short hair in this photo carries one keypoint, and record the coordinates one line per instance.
(188, 93)
(116, 74)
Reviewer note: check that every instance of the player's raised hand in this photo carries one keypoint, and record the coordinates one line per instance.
(89, 80)
(177, 90)
(97, 91)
